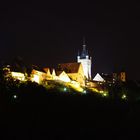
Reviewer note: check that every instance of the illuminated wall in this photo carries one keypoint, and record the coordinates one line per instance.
(85, 60)
(18, 76)
(64, 77)
(38, 76)
(79, 76)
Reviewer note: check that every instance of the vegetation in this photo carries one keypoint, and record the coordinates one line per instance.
(56, 105)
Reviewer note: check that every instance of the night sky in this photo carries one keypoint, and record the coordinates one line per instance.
(48, 33)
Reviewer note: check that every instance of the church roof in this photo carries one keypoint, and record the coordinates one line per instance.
(70, 67)
(84, 52)
(58, 72)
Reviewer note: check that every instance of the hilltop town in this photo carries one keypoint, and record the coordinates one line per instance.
(76, 76)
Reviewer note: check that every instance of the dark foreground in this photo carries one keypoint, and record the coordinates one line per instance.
(69, 117)
(37, 114)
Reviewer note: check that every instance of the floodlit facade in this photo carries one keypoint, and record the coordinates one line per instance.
(63, 76)
(74, 71)
(18, 75)
(86, 62)
(38, 76)
(48, 73)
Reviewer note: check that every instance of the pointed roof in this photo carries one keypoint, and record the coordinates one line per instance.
(58, 73)
(46, 69)
(98, 78)
(84, 52)
(53, 72)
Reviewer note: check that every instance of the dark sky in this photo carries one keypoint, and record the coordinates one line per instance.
(48, 33)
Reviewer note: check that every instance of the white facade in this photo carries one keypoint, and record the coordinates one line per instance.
(86, 62)
(98, 78)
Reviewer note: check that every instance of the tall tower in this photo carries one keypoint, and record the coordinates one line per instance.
(85, 60)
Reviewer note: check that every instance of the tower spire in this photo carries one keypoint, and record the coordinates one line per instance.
(78, 53)
(84, 52)
(84, 44)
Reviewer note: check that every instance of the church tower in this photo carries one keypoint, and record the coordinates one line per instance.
(85, 60)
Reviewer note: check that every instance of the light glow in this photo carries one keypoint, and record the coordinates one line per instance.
(76, 86)
(64, 77)
(15, 96)
(84, 91)
(18, 76)
(124, 96)
(65, 89)
(104, 94)
(35, 78)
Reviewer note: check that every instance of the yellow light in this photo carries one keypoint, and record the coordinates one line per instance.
(76, 86)
(65, 89)
(123, 96)
(18, 75)
(65, 79)
(102, 91)
(84, 91)
(105, 94)
(35, 78)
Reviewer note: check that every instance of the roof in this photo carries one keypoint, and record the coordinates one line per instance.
(46, 69)
(69, 67)
(84, 52)
(58, 72)
(98, 78)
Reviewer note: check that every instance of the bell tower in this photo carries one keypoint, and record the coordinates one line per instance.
(85, 60)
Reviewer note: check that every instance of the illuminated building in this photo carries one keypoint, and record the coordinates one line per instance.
(74, 71)
(121, 76)
(18, 75)
(98, 78)
(85, 60)
(37, 76)
(48, 73)
(63, 76)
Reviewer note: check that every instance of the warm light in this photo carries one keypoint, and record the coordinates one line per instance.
(65, 79)
(104, 94)
(84, 91)
(76, 86)
(18, 76)
(35, 78)
(101, 91)
(123, 96)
